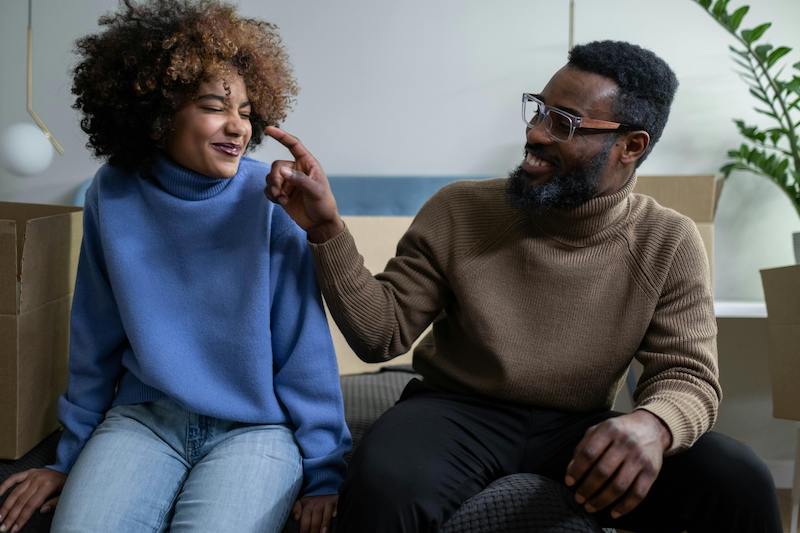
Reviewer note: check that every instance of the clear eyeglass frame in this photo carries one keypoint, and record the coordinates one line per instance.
(560, 125)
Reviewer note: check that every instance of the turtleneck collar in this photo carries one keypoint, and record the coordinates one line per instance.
(589, 222)
(184, 183)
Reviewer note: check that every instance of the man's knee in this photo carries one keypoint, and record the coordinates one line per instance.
(731, 468)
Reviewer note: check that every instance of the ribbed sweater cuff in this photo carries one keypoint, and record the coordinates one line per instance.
(337, 259)
(684, 434)
(320, 483)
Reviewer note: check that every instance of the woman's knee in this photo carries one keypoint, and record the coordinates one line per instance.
(121, 478)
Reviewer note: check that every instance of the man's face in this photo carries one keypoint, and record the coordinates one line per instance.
(567, 174)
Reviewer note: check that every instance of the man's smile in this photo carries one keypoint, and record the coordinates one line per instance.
(537, 166)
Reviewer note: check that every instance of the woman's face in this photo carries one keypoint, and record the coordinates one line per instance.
(213, 129)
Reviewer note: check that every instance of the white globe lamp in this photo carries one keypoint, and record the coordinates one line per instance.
(24, 150)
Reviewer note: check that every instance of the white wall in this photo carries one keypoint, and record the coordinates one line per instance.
(433, 87)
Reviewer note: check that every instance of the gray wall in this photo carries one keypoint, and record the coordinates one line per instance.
(432, 87)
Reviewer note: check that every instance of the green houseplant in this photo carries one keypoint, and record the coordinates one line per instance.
(772, 151)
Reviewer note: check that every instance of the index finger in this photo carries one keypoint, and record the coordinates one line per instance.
(13, 480)
(327, 516)
(589, 449)
(289, 141)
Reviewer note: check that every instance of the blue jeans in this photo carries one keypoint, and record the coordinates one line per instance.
(157, 466)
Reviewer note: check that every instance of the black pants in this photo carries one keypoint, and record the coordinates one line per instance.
(435, 449)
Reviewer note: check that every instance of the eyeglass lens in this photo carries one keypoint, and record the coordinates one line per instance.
(558, 125)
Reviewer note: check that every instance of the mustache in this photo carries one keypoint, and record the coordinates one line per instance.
(540, 152)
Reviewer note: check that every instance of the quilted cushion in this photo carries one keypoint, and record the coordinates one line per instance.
(521, 503)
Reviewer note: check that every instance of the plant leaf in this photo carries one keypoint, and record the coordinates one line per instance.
(758, 93)
(720, 8)
(704, 3)
(746, 66)
(728, 168)
(762, 50)
(741, 53)
(791, 87)
(765, 112)
(744, 151)
(752, 35)
(751, 132)
(775, 135)
(776, 54)
(749, 79)
(736, 18)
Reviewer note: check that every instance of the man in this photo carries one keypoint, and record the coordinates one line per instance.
(542, 288)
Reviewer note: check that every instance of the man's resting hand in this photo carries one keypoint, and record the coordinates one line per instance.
(617, 462)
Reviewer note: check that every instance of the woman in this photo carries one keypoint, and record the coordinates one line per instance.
(203, 390)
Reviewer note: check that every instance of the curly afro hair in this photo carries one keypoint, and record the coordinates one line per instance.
(646, 83)
(150, 60)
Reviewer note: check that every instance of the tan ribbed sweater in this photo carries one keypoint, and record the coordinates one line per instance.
(546, 310)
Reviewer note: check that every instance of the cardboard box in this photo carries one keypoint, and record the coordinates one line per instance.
(782, 295)
(376, 238)
(693, 196)
(39, 248)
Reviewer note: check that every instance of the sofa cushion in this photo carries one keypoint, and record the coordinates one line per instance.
(368, 396)
(520, 503)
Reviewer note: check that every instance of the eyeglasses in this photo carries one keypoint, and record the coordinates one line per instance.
(560, 125)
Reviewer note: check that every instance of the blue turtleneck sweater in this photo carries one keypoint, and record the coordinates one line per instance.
(202, 290)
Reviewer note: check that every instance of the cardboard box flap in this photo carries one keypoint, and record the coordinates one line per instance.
(782, 294)
(24, 212)
(8, 267)
(694, 196)
(45, 254)
(49, 259)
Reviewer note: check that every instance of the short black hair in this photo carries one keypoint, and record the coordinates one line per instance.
(646, 83)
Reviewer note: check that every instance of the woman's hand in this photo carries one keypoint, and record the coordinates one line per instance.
(32, 490)
(315, 513)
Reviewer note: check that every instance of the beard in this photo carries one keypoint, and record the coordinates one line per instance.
(561, 191)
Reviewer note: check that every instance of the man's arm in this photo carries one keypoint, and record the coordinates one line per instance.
(680, 380)
(677, 398)
(379, 316)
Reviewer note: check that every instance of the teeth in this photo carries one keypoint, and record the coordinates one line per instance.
(228, 148)
(534, 161)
